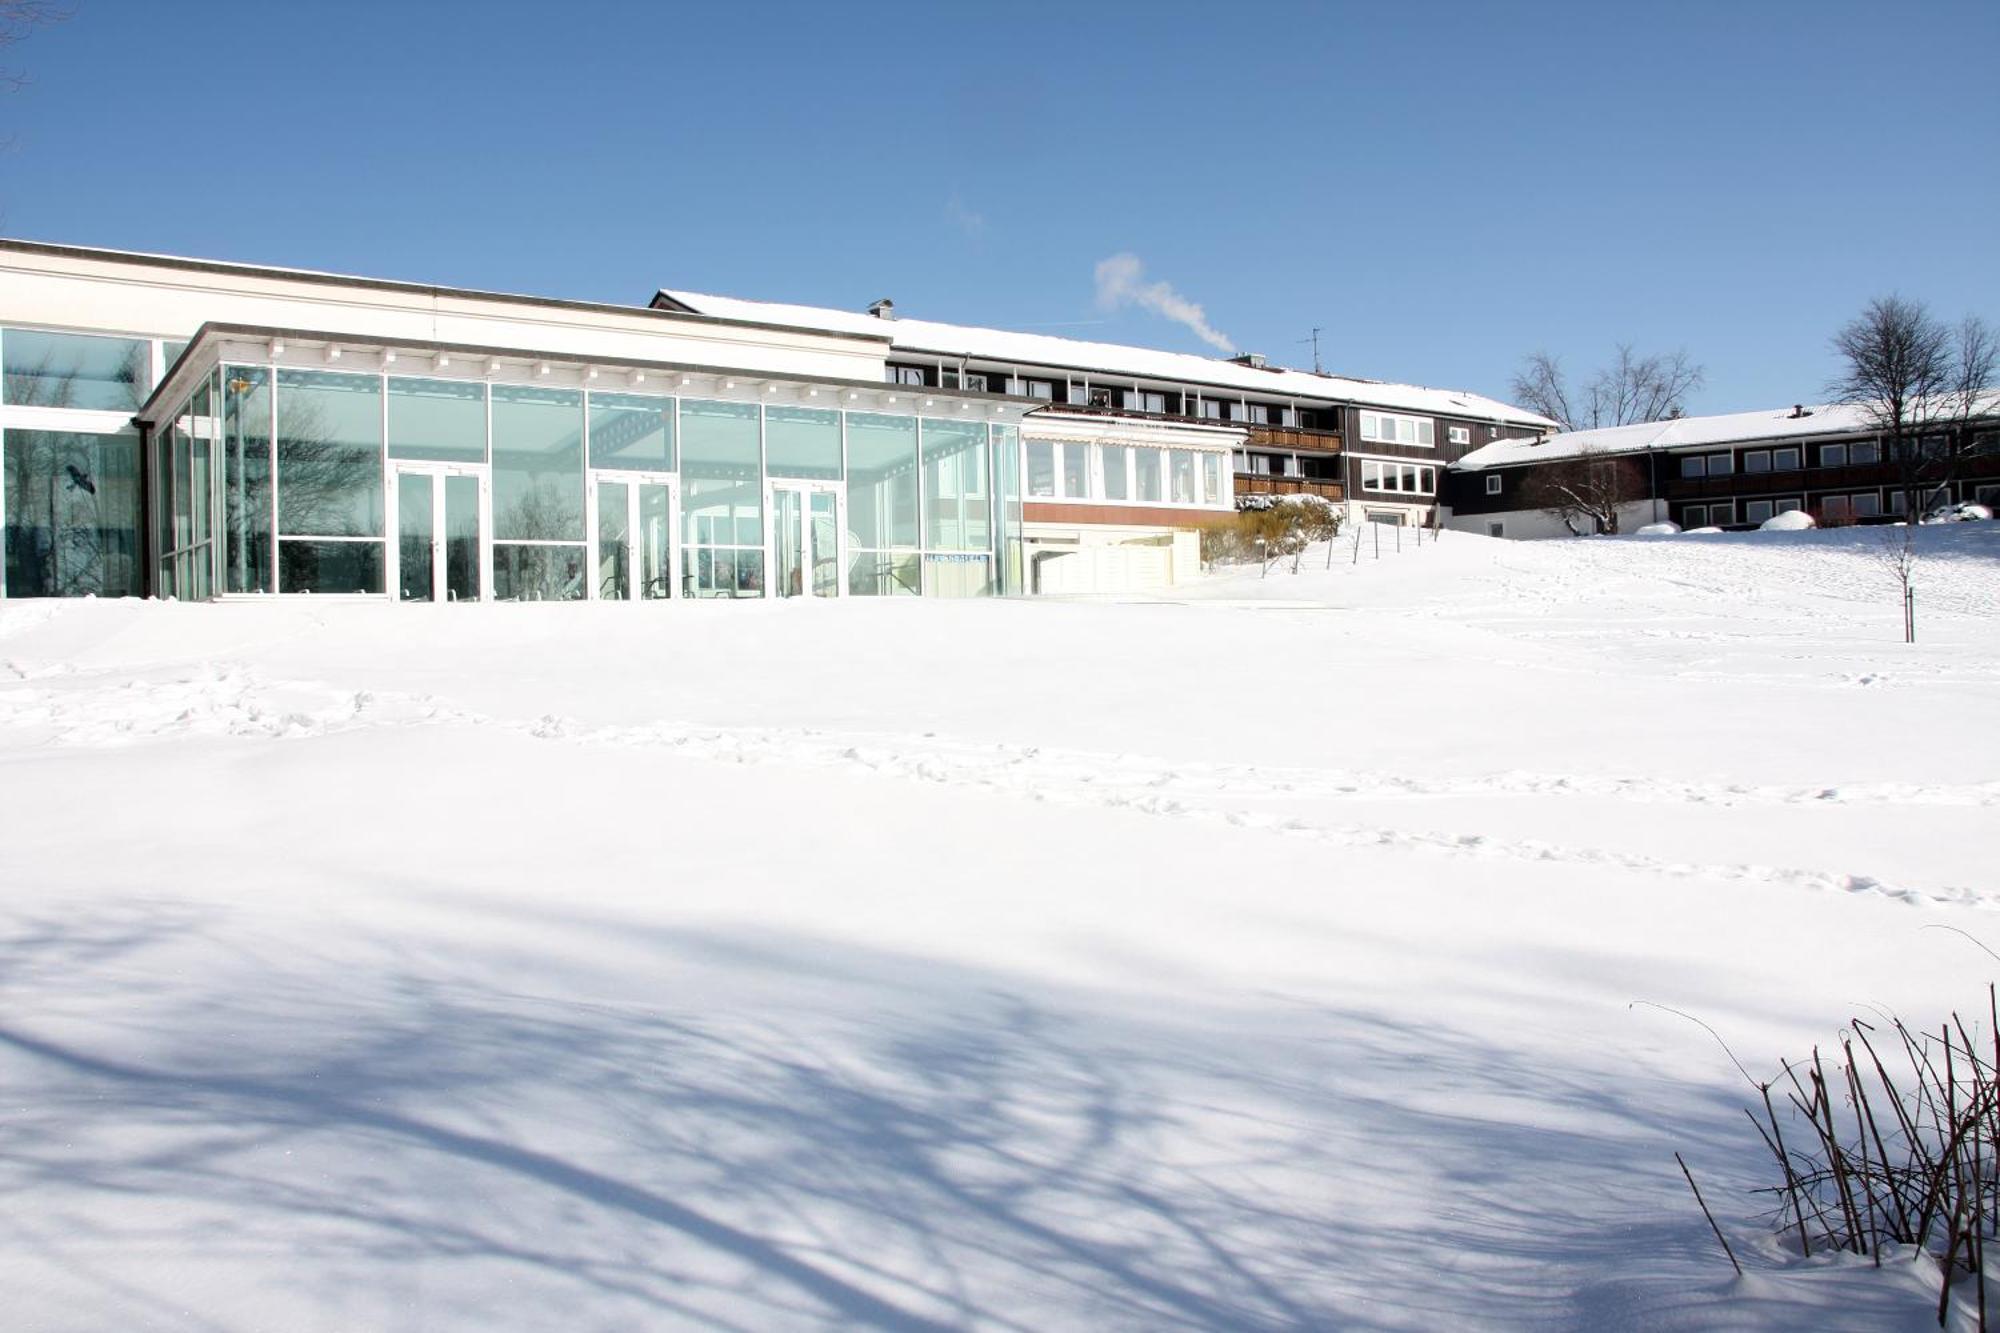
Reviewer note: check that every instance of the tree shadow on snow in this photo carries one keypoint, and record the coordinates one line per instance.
(836, 1139)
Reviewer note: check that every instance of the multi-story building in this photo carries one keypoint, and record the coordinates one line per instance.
(1729, 471)
(196, 428)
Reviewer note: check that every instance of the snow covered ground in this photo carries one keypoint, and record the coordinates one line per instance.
(1262, 958)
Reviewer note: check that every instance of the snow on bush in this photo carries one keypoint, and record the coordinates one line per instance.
(1792, 520)
(1964, 512)
(1658, 530)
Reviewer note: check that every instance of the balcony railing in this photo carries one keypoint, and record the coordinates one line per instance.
(1257, 483)
(1290, 438)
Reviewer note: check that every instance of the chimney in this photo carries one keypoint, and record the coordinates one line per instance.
(1255, 360)
(1800, 410)
(883, 309)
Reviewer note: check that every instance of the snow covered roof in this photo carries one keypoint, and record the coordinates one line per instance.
(1684, 433)
(1112, 359)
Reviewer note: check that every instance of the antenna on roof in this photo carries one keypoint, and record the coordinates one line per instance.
(1314, 340)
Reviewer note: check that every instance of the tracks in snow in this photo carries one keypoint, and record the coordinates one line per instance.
(72, 711)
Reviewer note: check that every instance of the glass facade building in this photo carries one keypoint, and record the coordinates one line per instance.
(273, 478)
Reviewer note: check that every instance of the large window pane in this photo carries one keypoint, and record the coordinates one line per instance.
(1148, 469)
(1115, 465)
(956, 515)
(329, 455)
(802, 442)
(1211, 472)
(881, 480)
(720, 473)
(1041, 468)
(1183, 475)
(329, 567)
(246, 479)
(723, 572)
(72, 518)
(75, 370)
(524, 573)
(443, 421)
(884, 574)
(537, 465)
(632, 431)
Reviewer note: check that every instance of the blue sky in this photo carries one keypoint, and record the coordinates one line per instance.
(1440, 188)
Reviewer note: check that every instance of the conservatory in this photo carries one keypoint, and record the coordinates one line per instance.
(287, 462)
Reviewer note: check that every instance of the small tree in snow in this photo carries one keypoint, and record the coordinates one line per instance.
(1898, 554)
(1586, 491)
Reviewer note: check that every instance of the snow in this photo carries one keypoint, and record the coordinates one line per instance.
(1108, 361)
(1658, 530)
(1267, 956)
(1791, 520)
(1729, 428)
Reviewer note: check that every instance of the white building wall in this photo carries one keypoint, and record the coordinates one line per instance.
(148, 297)
(1531, 524)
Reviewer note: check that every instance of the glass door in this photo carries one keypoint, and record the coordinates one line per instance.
(634, 526)
(805, 540)
(440, 549)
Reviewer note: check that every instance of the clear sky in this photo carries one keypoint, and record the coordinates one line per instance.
(1440, 188)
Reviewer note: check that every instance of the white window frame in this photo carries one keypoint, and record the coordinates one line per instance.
(1458, 434)
(1493, 483)
(1421, 432)
(1422, 477)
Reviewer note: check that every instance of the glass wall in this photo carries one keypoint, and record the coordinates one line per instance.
(330, 487)
(722, 523)
(538, 533)
(72, 514)
(632, 432)
(437, 421)
(802, 442)
(246, 479)
(74, 370)
(883, 556)
(274, 480)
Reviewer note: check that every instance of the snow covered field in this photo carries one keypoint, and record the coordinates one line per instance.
(1263, 958)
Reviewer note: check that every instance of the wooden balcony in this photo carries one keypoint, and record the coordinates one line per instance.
(1254, 483)
(1292, 439)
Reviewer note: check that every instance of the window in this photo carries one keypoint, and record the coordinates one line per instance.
(905, 375)
(246, 478)
(442, 421)
(1721, 513)
(74, 370)
(1211, 410)
(1787, 506)
(1496, 529)
(1076, 471)
(1116, 462)
(1493, 484)
(1213, 487)
(1384, 428)
(882, 503)
(1041, 468)
(1757, 511)
(72, 516)
(1867, 451)
(1785, 460)
(1146, 465)
(1458, 434)
(1756, 460)
(1145, 400)
(722, 500)
(1833, 455)
(798, 441)
(1181, 463)
(1402, 478)
(1258, 412)
(973, 382)
(1866, 505)
(329, 450)
(1705, 465)
(1042, 389)
(955, 510)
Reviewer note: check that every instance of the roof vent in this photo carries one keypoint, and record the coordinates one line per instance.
(883, 309)
(1800, 410)
(1255, 360)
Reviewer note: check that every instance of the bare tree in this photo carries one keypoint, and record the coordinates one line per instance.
(18, 18)
(1919, 383)
(1631, 389)
(1586, 491)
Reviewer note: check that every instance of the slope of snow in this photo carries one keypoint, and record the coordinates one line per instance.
(1265, 958)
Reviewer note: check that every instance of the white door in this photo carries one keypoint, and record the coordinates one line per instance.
(635, 528)
(441, 552)
(805, 559)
